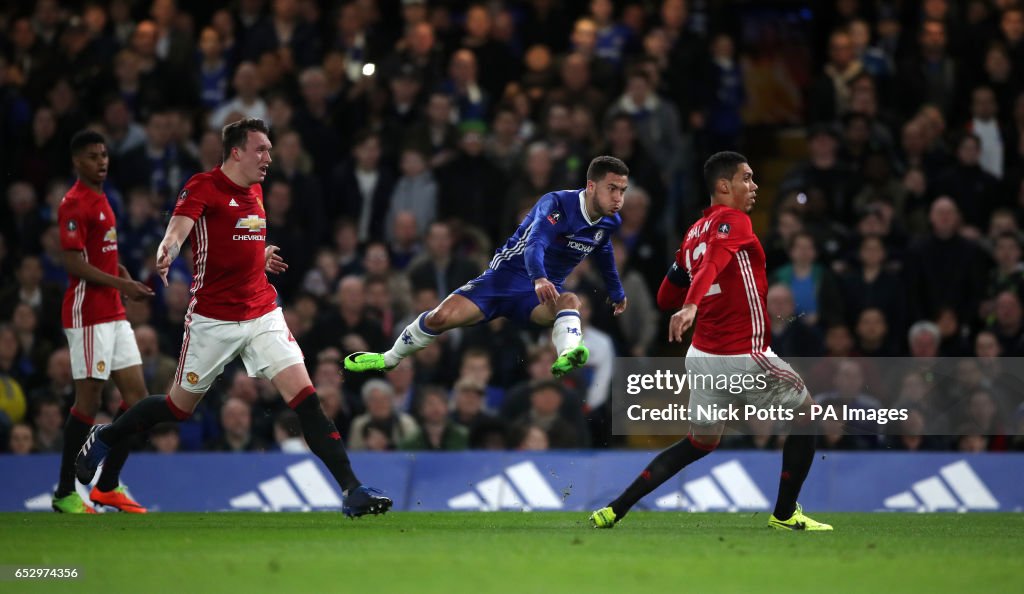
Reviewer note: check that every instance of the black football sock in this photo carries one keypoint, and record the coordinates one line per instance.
(797, 456)
(147, 412)
(664, 466)
(76, 429)
(323, 438)
(110, 476)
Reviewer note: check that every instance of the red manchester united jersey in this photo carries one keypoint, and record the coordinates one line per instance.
(87, 225)
(728, 283)
(228, 240)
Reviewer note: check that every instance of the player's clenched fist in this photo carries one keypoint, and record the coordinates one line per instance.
(619, 307)
(681, 322)
(165, 255)
(274, 264)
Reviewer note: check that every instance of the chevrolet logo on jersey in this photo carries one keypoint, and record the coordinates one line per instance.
(110, 237)
(254, 224)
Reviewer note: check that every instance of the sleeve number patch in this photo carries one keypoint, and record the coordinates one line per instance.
(698, 252)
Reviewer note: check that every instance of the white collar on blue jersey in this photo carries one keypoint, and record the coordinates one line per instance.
(583, 208)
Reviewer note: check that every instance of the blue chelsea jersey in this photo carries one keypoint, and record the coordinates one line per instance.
(555, 236)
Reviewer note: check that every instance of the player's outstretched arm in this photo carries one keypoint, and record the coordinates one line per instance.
(75, 265)
(605, 258)
(177, 230)
(672, 292)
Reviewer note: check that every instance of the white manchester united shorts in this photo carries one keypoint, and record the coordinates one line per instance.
(266, 345)
(101, 348)
(782, 385)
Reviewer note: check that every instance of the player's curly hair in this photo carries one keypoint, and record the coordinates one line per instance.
(84, 138)
(235, 134)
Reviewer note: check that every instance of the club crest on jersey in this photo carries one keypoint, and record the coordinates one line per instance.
(192, 378)
(723, 230)
(101, 366)
(599, 235)
(554, 217)
(110, 238)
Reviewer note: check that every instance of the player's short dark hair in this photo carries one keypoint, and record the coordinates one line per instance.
(235, 134)
(721, 165)
(84, 138)
(603, 165)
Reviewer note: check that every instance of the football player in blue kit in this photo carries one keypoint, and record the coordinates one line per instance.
(524, 280)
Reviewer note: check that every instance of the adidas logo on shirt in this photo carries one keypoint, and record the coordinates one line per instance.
(232, 203)
(103, 217)
(520, 487)
(728, 487)
(306, 489)
(956, 487)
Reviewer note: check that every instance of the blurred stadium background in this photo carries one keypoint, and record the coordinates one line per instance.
(887, 138)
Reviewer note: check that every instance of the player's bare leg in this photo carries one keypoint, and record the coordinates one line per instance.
(567, 332)
(325, 441)
(455, 311)
(88, 393)
(108, 491)
(797, 457)
(701, 441)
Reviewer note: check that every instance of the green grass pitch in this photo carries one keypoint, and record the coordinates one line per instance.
(515, 552)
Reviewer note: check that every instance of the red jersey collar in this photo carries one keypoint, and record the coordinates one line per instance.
(82, 187)
(716, 208)
(222, 177)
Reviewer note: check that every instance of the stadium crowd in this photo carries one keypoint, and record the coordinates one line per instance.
(411, 136)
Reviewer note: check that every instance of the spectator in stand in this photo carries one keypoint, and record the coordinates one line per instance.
(438, 267)
(1008, 323)
(814, 287)
(545, 403)
(361, 188)
(247, 102)
(415, 193)
(869, 284)
(30, 288)
(22, 440)
(347, 324)
(379, 397)
(873, 334)
(48, 421)
(975, 191)
(830, 92)
(791, 336)
(158, 369)
(945, 268)
(436, 431)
